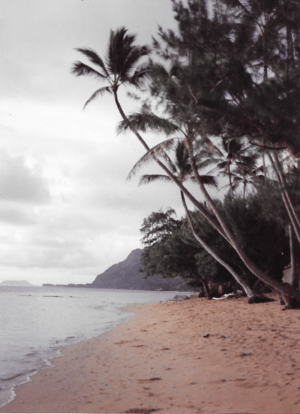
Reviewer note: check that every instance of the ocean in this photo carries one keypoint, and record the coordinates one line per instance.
(36, 323)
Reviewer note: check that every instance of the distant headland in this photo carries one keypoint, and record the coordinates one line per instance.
(127, 275)
(15, 283)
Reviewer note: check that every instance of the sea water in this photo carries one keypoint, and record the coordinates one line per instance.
(36, 323)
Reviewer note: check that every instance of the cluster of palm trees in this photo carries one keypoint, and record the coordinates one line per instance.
(185, 157)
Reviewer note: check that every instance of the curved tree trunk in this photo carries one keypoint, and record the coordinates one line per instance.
(286, 199)
(236, 276)
(286, 290)
(196, 203)
(218, 223)
(284, 185)
(292, 303)
(294, 279)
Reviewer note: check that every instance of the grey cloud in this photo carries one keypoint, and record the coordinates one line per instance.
(20, 183)
(15, 216)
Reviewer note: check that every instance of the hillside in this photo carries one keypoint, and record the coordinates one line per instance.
(15, 283)
(126, 275)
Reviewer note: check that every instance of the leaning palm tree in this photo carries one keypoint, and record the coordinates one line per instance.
(121, 66)
(181, 167)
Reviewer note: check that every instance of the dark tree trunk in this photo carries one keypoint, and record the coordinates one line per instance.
(236, 276)
(217, 222)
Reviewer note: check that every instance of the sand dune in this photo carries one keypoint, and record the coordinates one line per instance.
(178, 357)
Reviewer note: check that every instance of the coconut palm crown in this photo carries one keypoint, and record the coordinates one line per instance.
(181, 165)
(121, 64)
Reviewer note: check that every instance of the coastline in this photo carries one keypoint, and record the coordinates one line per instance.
(177, 357)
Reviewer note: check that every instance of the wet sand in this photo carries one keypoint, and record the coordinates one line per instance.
(195, 356)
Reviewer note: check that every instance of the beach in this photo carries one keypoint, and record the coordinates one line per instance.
(194, 356)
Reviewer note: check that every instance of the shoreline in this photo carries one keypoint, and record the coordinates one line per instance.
(177, 357)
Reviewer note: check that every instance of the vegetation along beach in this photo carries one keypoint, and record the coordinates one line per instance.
(217, 116)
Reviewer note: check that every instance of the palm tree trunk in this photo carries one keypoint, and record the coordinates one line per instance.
(286, 290)
(196, 203)
(283, 182)
(286, 199)
(236, 276)
(294, 275)
(218, 224)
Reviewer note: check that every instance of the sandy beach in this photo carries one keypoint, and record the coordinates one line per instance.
(194, 356)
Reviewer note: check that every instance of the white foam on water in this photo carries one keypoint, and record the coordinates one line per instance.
(36, 323)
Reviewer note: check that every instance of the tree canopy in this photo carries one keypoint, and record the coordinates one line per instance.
(224, 90)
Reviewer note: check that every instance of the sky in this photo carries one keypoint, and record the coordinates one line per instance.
(67, 212)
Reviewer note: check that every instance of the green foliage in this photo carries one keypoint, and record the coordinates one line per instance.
(172, 250)
(259, 231)
(158, 226)
(229, 76)
(121, 64)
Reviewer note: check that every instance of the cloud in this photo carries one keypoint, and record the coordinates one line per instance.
(15, 215)
(66, 209)
(21, 184)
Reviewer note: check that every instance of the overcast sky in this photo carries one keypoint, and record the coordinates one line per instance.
(67, 212)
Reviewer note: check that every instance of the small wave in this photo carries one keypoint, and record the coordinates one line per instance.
(28, 373)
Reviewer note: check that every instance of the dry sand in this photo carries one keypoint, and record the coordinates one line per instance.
(164, 361)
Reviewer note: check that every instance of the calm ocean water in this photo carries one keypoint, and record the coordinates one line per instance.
(36, 323)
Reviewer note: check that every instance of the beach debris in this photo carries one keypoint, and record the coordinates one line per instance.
(244, 354)
(225, 296)
(206, 336)
(150, 379)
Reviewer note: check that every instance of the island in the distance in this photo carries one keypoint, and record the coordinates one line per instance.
(127, 275)
(15, 283)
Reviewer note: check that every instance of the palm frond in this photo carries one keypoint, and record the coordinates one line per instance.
(123, 54)
(203, 163)
(146, 121)
(209, 180)
(81, 69)
(140, 74)
(159, 150)
(169, 163)
(131, 60)
(95, 59)
(218, 167)
(147, 179)
(98, 92)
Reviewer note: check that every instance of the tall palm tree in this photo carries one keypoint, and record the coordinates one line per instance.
(144, 121)
(182, 168)
(121, 66)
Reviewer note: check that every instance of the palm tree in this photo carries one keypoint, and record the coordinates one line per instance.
(182, 168)
(245, 173)
(144, 121)
(121, 66)
(232, 155)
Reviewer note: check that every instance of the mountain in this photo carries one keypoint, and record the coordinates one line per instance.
(15, 283)
(126, 275)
